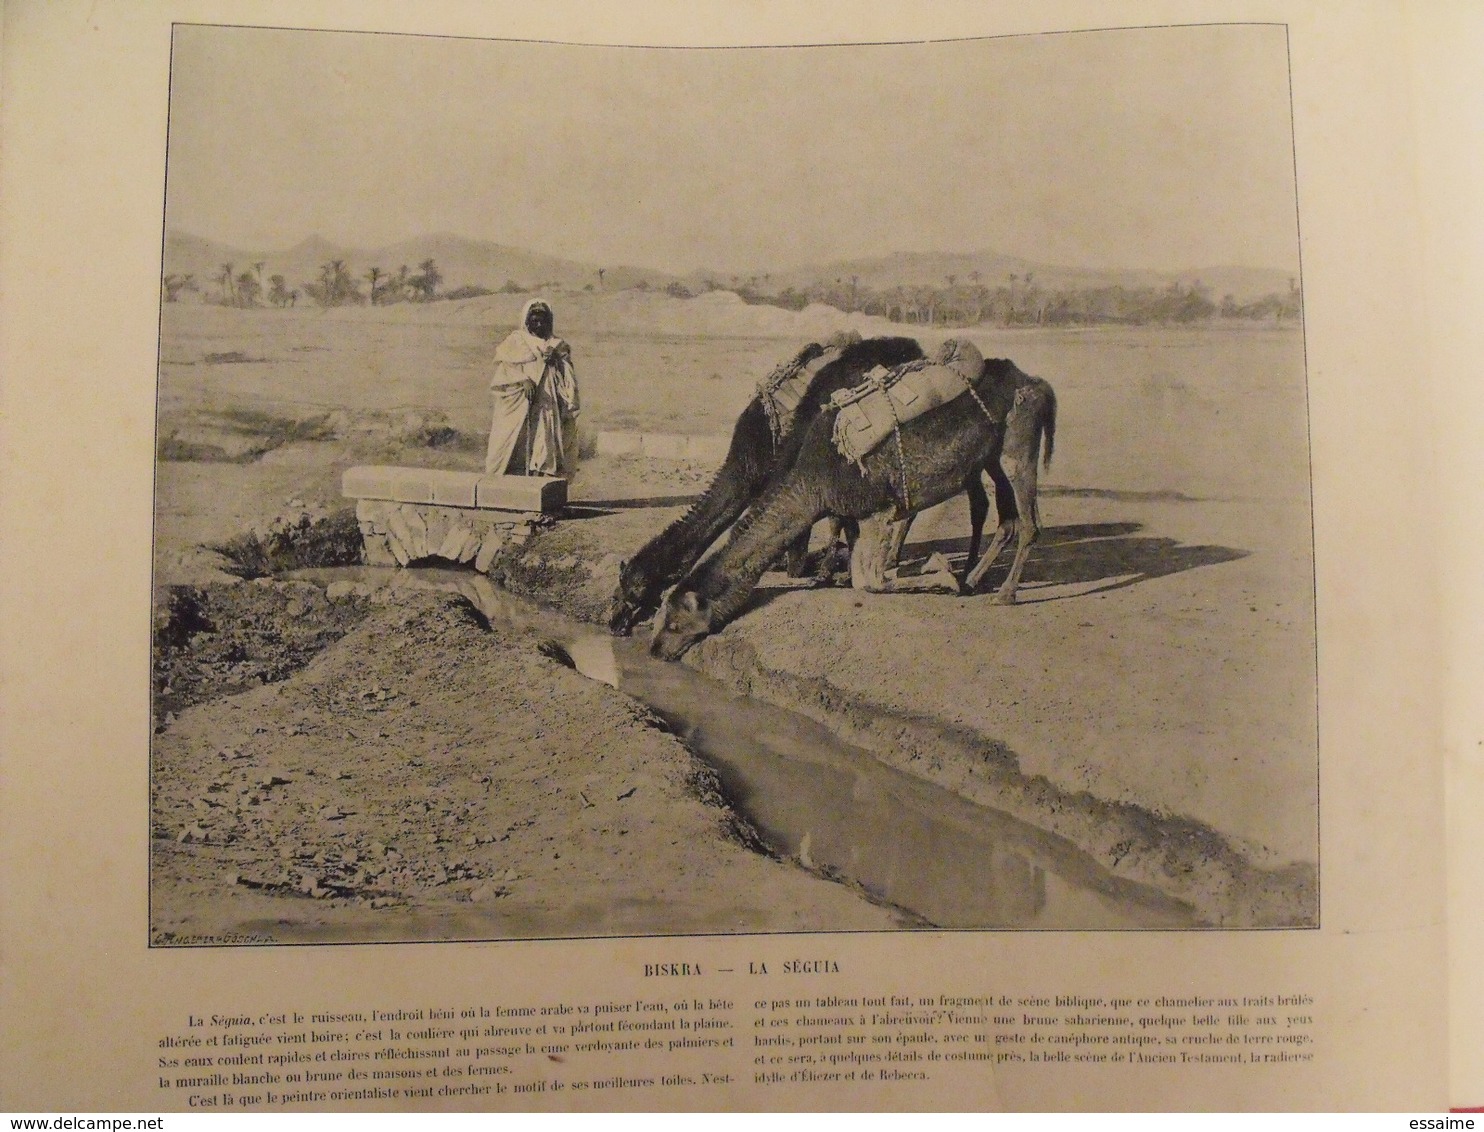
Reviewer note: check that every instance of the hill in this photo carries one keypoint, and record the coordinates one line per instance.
(465, 262)
(461, 262)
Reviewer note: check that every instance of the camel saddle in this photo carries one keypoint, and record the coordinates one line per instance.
(889, 398)
(783, 389)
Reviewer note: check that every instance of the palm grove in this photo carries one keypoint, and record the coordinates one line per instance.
(1020, 300)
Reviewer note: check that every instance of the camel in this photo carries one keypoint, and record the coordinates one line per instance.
(765, 437)
(995, 426)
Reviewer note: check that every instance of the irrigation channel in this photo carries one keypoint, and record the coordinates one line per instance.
(830, 806)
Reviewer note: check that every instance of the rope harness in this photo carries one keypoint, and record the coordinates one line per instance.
(776, 406)
(875, 410)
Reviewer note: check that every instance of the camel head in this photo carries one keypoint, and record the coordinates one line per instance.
(684, 618)
(631, 601)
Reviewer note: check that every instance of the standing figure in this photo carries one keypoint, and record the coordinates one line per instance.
(534, 431)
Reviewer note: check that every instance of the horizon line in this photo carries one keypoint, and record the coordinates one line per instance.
(703, 271)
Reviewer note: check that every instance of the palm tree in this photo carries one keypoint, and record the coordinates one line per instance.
(248, 289)
(373, 275)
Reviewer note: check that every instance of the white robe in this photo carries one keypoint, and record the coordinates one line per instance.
(534, 390)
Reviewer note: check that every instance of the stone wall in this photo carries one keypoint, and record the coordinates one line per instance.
(395, 534)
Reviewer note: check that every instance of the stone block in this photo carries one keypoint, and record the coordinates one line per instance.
(405, 485)
(378, 553)
(417, 527)
(410, 485)
(371, 515)
(441, 488)
(455, 489)
(488, 548)
(542, 494)
(452, 544)
(470, 548)
(398, 537)
(438, 523)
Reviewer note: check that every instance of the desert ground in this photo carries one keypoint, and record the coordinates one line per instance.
(347, 759)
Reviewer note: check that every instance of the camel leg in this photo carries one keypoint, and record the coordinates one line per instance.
(978, 512)
(1020, 469)
(824, 568)
(1008, 516)
(873, 561)
(896, 540)
(796, 557)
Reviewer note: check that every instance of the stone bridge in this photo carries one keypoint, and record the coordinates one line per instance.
(410, 515)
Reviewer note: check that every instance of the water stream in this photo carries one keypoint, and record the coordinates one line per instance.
(834, 807)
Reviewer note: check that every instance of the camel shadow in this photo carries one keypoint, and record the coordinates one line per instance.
(1099, 557)
(1103, 556)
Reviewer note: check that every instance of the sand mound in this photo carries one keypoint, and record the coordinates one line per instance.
(716, 314)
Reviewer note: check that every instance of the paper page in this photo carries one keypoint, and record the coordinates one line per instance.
(1165, 833)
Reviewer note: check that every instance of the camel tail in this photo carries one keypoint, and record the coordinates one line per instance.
(1049, 425)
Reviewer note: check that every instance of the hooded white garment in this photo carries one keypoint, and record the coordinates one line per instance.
(534, 390)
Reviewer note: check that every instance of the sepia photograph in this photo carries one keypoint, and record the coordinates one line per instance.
(623, 491)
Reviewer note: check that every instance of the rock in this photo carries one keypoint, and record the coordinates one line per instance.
(339, 591)
(472, 542)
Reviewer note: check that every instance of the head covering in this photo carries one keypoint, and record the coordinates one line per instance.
(535, 305)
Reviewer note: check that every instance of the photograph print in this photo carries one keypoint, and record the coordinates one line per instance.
(635, 491)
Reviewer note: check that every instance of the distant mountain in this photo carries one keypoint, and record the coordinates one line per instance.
(462, 261)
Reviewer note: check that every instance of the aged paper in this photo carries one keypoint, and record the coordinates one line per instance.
(109, 1006)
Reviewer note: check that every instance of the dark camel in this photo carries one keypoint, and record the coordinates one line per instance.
(997, 427)
(759, 446)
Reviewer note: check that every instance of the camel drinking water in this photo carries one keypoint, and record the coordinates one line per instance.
(996, 425)
(766, 437)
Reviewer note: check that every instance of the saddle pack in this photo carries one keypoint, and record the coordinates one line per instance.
(783, 389)
(889, 398)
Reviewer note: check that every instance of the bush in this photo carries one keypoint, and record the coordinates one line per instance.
(294, 542)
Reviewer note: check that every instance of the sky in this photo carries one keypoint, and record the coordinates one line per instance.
(1166, 149)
